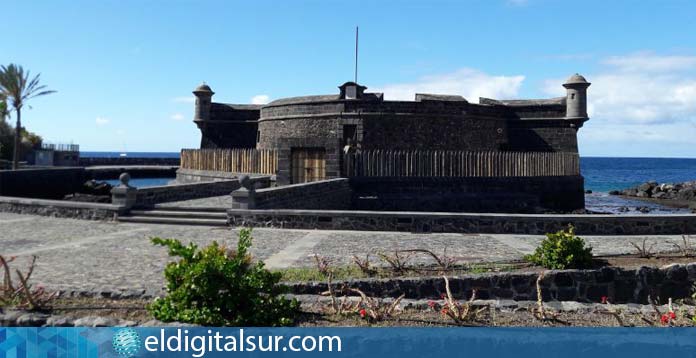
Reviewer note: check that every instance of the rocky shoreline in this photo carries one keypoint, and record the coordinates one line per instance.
(680, 195)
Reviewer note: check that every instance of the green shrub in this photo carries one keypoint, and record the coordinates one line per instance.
(562, 250)
(215, 286)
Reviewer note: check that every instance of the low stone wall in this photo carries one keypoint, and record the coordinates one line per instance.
(197, 176)
(617, 284)
(186, 191)
(60, 209)
(44, 183)
(332, 194)
(469, 194)
(533, 224)
(90, 161)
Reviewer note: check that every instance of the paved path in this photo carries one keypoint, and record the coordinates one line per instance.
(101, 256)
(223, 201)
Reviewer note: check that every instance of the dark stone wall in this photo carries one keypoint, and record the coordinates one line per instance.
(617, 284)
(60, 209)
(435, 125)
(409, 132)
(538, 136)
(161, 194)
(332, 194)
(228, 134)
(469, 223)
(301, 130)
(229, 126)
(185, 191)
(53, 183)
(455, 194)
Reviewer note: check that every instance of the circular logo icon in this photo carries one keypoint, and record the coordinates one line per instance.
(126, 342)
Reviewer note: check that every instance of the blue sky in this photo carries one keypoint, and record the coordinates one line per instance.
(124, 70)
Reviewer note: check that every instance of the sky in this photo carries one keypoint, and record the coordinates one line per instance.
(124, 70)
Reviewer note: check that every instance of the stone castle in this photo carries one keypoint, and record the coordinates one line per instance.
(322, 126)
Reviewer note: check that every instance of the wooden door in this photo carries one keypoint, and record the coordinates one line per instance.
(308, 164)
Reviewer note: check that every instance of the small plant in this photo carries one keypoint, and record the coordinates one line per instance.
(643, 250)
(364, 265)
(612, 311)
(324, 267)
(540, 311)
(374, 309)
(685, 248)
(444, 262)
(562, 250)
(458, 312)
(22, 295)
(398, 261)
(215, 286)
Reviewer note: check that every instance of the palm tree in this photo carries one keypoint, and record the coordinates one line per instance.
(18, 87)
(4, 110)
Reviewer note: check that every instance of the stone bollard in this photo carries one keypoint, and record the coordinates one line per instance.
(245, 196)
(124, 195)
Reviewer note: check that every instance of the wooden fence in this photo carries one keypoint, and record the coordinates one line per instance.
(386, 163)
(231, 160)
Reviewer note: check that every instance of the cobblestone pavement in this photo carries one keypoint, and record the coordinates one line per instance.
(80, 255)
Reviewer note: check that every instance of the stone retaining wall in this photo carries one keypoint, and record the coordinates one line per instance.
(176, 192)
(618, 284)
(60, 209)
(469, 194)
(533, 224)
(333, 194)
(197, 176)
(45, 183)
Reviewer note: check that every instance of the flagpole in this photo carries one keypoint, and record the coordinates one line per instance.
(356, 54)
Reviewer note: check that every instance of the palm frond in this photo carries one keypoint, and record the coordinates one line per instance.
(18, 85)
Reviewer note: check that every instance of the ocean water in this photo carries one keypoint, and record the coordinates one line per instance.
(143, 182)
(130, 154)
(606, 174)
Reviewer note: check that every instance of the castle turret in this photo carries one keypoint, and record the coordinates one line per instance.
(576, 101)
(204, 97)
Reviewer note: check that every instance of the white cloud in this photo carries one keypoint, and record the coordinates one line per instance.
(101, 121)
(640, 104)
(184, 99)
(466, 82)
(177, 117)
(260, 99)
(650, 62)
(640, 89)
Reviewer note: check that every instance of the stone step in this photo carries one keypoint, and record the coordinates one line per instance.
(214, 209)
(179, 214)
(172, 221)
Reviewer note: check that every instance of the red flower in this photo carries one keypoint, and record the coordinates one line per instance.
(604, 299)
(444, 311)
(363, 313)
(431, 304)
(664, 319)
(672, 315)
